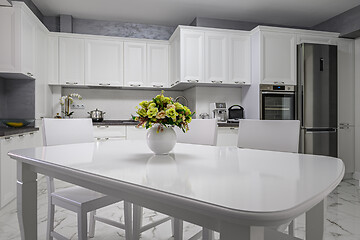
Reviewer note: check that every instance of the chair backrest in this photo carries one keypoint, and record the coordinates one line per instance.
(201, 131)
(67, 131)
(273, 135)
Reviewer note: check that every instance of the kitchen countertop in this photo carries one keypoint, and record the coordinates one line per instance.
(7, 131)
(133, 123)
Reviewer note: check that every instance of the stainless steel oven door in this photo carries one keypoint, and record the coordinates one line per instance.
(277, 105)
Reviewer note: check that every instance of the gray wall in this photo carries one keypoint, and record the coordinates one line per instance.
(17, 98)
(347, 23)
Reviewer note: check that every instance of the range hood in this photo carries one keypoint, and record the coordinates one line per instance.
(5, 3)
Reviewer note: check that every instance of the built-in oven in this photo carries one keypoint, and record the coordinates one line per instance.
(277, 102)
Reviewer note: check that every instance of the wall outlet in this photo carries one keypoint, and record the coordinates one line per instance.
(78, 106)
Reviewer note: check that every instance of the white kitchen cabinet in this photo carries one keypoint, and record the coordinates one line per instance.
(104, 63)
(316, 38)
(71, 61)
(277, 58)
(17, 48)
(174, 59)
(227, 136)
(346, 103)
(134, 133)
(216, 57)
(157, 65)
(53, 59)
(191, 56)
(239, 59)
(134, 64)
(105, 132)
(8, 165)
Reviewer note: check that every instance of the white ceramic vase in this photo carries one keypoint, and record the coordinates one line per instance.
(160, 139)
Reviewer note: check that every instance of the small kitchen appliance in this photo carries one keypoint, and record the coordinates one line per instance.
(236, 112)
(218, 111)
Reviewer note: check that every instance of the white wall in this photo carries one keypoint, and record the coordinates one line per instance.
(357, 108)
(118, 104)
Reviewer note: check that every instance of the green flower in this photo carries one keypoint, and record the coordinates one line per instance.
(141, 112)
(171, 113)
(152, 105)
(152, 112)
(144, 104)
(178, 106)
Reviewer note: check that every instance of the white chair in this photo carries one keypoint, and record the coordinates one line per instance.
(202, 131)
(77, 199)
(273, 135)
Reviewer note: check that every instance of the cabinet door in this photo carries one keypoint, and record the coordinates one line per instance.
(10, 45)
(174, 61)
(28, 32)
(346, 147)
(106, 131)
(41, 86)
(216, 57)
(157, 65)
(104, 63)
(277, 53)
(71, 61)
(346, 82)
(53, 60)
(239, 59)
(227, 136)
(134, 64)
(192, 56)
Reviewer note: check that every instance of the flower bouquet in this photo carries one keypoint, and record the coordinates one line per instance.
(164, 112)
(159, 116)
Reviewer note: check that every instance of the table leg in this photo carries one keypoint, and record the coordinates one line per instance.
(229, 231)
(27, 202)
(315, 222)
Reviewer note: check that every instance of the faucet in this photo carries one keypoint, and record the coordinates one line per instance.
(182, 97)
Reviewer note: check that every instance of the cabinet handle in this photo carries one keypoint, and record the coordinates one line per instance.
(102, 139)
(135, 85)
(104, 84)
(21, 135)
(30, 74)
(8, 138)
(234, 128)
(71, 83)
(172, 84)
(102, 126)
(220, 81)
(193, 81)
(31, 134)
(158, 86)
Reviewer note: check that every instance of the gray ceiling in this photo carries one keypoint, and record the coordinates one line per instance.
(302, 13)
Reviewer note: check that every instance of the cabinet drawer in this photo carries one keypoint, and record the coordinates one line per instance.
(107, 131)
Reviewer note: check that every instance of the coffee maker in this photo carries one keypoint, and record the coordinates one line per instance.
(218, 111)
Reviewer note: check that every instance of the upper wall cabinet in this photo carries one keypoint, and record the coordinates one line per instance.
(104, 63)
(17, 31)
(71, 61)
(239, 59)
(191, 56)
(277, 58)
(135, 64)
(53, 60)
(157, 65)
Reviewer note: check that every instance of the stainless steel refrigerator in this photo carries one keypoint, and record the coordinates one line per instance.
(317, 98)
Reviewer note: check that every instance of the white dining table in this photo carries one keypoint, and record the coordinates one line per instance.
(241, 193)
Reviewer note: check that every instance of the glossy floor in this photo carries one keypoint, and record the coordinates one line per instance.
(342, 218)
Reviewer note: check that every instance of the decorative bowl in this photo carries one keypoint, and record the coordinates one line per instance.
(16, 123)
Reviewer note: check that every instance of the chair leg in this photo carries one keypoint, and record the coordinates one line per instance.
(177, 226)
(82, 225)
(207, 234)
(128, 220)
(292, 228)
(137, 221)
(50, 220)
(92, 224)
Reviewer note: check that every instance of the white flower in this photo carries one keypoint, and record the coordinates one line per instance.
(70, 98)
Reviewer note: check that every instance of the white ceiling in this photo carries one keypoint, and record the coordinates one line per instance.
(304, 13)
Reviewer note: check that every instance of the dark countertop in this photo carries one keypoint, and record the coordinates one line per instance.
(6, 131)
(133, 123)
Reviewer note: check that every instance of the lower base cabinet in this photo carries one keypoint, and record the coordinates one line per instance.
(8, 165)
(227, 136)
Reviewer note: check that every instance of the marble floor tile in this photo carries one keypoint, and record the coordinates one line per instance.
(342, 218)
